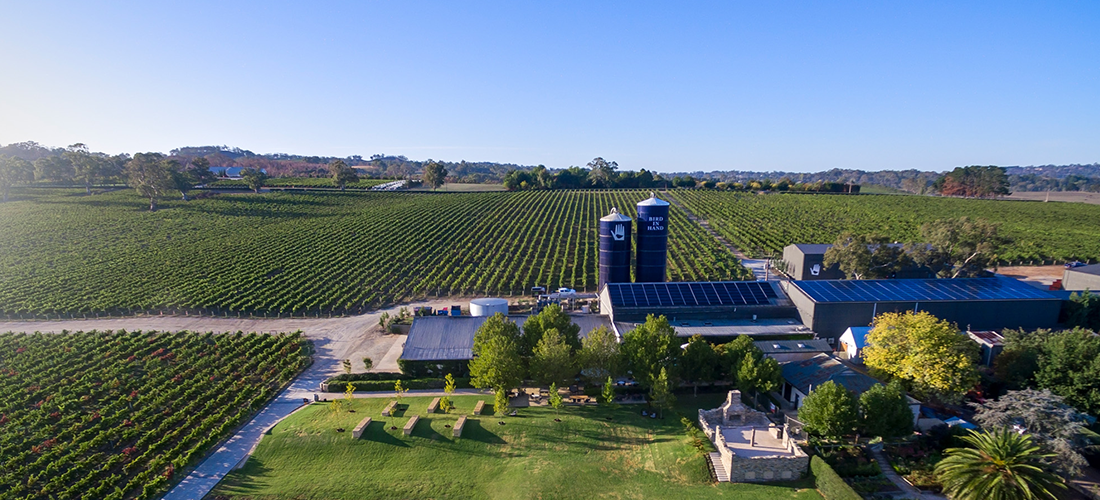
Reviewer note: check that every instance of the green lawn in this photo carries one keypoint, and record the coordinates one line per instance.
(531, 456)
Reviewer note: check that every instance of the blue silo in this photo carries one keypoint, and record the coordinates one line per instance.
(651, 243)
(615, 229)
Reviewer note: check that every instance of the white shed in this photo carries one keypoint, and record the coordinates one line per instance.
(852, 342)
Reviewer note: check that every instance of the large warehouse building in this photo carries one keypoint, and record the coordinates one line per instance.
(831, 306)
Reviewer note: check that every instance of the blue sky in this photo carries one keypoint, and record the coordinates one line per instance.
(667, 86)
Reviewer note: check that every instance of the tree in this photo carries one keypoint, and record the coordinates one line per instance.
(500, 401)
(86, 167)
(1054, 426)
(608, 393)
(148, 173)
(699, 362)
(342, 174)
(552, 362)
(448, 389)
(200, 171)
(884, 411)
(651, 347)
(254, 178)
(974, 182)
(1000, 464)
(1082, 310)
(55, 168)
(930, 355)
(759, 373)
(661, 393)
(182, 180)
(399, 391)
(601, 172)
(555, 398)
(865, 257)
(599, 356)
(496, 362)
(551, 317)
(13, 171)
(731, 354)
(347, 366)
(829, 411)
(368, 364)
(958, 248)
(434, 174)
(1069, 365)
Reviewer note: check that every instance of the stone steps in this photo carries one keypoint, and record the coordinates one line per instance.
(720, 471)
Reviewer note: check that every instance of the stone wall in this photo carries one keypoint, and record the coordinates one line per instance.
(749, 470)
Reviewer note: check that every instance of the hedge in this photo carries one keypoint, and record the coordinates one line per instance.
(829, 483)
(387, 385)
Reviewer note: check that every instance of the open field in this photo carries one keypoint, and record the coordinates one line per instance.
(115, 415)
(532, 456)
(1064, 196)
(759, 224)
(309, 253)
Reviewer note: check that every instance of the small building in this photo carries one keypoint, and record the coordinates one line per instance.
(852, 342)
(991, 343)
(446, 342)
(806, 261)
(749, 447)
(800, 378)
(785, 351)
(1082, 278)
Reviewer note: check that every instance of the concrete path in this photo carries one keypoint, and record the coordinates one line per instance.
(907, 490)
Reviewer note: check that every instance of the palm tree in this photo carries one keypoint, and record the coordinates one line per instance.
(1002, 465)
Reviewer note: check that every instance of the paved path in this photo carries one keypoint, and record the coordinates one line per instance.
(907, 490)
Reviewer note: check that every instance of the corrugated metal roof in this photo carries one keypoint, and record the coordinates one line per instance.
(793, 346)
(436, 338)
(809, 373)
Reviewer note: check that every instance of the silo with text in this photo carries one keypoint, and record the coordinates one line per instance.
(615, 229)
(651, 241)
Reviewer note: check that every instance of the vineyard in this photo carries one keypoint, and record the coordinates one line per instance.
(761, 225)
(310, 253)
(104, 415)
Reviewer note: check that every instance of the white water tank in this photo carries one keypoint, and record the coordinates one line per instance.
(488, 306)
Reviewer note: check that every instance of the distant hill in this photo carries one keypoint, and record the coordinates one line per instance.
(1074, 177)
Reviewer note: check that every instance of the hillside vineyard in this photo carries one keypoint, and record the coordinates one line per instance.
(318, 253)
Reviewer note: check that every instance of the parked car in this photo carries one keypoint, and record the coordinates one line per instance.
(1076, 263)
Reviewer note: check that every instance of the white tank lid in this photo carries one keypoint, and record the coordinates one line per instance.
(615, 216)
(653, 201)
(490, 301)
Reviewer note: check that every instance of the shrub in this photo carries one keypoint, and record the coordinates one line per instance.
(829, 483)
(387, 385)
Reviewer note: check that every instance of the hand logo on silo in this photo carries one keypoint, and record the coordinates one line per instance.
(619, 233)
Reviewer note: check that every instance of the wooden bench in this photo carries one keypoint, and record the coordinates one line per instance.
(357, 432)
(458, 426)
(478, 407)
(410, 424)
(433, 406)
(388, 410)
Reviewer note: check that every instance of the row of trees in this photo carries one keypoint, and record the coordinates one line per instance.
(1067, 363)
(832, 411)
(974, 182)
(548, 350)
(948, 248)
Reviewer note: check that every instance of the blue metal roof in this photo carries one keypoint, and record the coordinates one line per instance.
(806, 374)
(920, 290)
(690, 294)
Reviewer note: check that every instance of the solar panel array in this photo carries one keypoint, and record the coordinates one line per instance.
(690, 294)
(915, 290)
